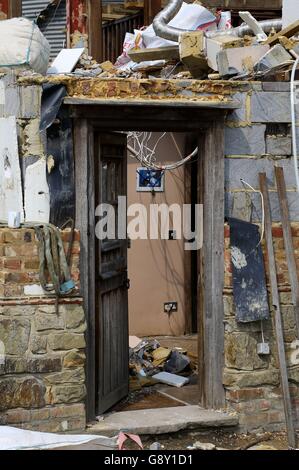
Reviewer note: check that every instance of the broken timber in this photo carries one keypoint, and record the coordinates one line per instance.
(288, 32)
(277, 315)
(288, 241)
(159, 53)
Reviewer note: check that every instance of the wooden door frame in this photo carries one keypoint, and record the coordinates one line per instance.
(209, 124)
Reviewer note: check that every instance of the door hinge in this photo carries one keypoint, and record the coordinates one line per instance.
(128, 283)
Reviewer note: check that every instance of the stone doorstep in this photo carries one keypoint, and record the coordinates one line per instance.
(162, 421)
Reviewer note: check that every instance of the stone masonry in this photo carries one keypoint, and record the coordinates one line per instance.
(258, 137)
(42, 377)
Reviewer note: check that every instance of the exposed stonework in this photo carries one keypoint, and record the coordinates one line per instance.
(252, 382)
(42, 379)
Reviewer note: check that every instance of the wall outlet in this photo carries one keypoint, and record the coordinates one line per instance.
(170, 307)
(172, 235)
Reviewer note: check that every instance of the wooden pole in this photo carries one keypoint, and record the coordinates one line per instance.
(95, 33)
(14, 8)
(288, 240)
(151, 9)
(277, 316)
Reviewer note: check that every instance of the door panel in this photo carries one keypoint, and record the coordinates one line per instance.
(111, 278)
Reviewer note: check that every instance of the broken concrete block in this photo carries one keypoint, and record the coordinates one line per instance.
(290, 12)
(248, 140)
(217, 44)
(192, 53)
(239, 60)
(273, 58)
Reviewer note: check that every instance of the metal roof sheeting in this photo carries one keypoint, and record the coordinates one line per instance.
(55, 30)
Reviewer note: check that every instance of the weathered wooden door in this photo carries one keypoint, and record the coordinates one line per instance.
(111, 276)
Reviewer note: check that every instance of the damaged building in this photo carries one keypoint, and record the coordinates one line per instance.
(215, 114)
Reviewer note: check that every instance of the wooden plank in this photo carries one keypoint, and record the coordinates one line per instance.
(288, 240)
(287, 32)
(158, 53)
(14, 8)
(277, 315)
(83, 154)
(212, 267)
(95, 42)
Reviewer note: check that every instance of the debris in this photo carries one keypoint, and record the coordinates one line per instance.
(171, 379)
(238, 60)
(176, 363)
(66, 61)
(254, 25)
(156, 446)
(204, 446)
(288, 32)
(262, 447)
(273, 58)
(217, 44)
(160, 355)
(149, 54)
(134, 341)
(192, 53)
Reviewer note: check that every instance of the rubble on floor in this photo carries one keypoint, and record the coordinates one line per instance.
(149, 363)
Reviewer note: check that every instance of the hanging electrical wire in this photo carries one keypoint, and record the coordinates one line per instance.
(263, 209)
(141, 149)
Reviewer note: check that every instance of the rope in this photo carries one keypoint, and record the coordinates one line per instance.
(52, 259)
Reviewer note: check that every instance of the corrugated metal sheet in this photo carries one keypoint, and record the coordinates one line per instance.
(55, 31)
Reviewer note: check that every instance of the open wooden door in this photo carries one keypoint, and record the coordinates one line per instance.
(112, 349)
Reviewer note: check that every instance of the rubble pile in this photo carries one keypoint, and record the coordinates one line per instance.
(148, 358)
(209, 48)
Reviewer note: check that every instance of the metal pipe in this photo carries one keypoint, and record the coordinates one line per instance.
(160, 22)
(244, 29)
(163, 30)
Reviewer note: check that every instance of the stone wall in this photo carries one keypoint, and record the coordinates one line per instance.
(252, 382)
(258, 137)
(42, 377)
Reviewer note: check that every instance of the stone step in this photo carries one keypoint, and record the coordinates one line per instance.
(163, 421)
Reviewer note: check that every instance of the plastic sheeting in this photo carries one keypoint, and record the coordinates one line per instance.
(20, 439)
(249, 279)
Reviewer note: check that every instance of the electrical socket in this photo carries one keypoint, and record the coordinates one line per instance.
(172, 235)
(170, 307)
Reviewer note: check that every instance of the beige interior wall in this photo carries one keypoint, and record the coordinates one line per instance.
(156, 267)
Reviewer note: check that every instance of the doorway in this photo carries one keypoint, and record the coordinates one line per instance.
(95, 117)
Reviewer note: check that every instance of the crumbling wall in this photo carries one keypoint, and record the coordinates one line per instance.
(258, 137)
(42, 348)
